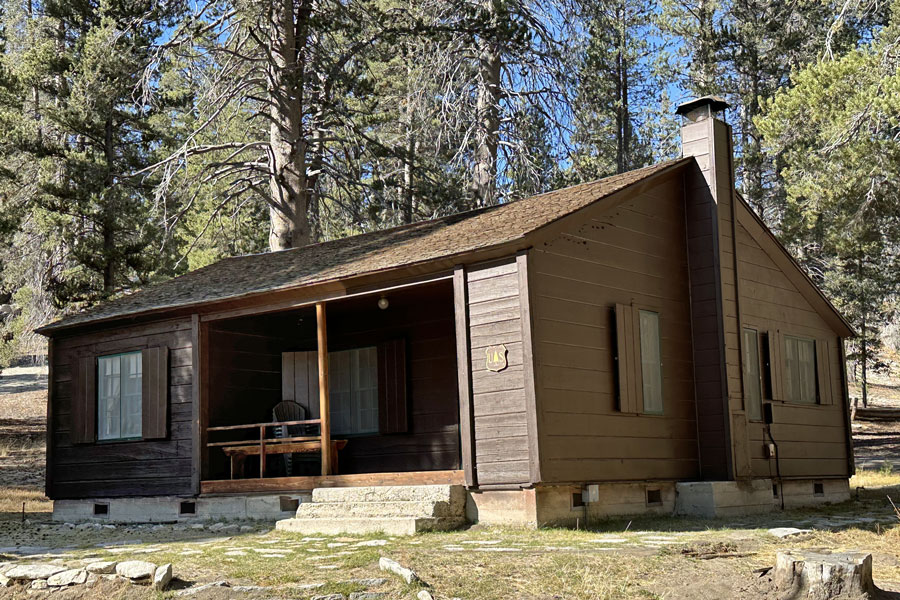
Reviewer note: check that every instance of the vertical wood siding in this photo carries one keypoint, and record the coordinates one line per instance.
(707, 237)
(498, 398)
(635, 254)
(132, 468)
(812, 439)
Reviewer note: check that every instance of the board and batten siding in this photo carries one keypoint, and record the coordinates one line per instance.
(632, 254)
(499, 403)
(811, 438)
(122, 468)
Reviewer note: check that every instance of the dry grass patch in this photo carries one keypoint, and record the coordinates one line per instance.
(11, 499)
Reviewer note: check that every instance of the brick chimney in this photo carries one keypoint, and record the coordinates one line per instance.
(709, 198)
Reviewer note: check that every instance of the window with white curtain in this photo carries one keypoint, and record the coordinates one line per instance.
(353, 386)
(800, 383)
(119, 396)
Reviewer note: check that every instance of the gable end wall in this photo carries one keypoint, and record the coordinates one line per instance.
(635, 252)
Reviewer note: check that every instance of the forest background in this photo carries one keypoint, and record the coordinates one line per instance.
(141, 139)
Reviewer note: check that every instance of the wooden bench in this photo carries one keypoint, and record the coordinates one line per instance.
(238, 452)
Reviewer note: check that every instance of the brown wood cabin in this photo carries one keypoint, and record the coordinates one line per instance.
(638, 343)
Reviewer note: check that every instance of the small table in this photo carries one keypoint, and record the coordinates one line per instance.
(239, 452)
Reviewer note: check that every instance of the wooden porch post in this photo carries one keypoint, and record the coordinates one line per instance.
(324, 409)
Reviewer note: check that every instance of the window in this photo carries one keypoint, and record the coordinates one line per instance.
(800, 370)
(651, 363)
(752, 380)
(119, 396)
(354, 391)
(766, 366)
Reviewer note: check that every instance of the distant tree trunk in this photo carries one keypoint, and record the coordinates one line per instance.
(623, 118)
(706, 70)
(287, 180)
(484, 177)
(409, 153)
(864, 359)
(108, 218)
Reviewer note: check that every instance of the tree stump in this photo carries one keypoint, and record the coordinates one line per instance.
(823, 575)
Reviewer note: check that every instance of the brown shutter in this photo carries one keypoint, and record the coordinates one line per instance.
(84, 400)
(823, 371)
(392, 407)
(775, 365)
(626, 367)
(154, 392)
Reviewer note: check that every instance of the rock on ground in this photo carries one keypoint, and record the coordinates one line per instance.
(424, 595)
(162, 576)
(33, 572)
(783, 532)
(408, 575)
(105, 567)
(136, 569)
(68, 577)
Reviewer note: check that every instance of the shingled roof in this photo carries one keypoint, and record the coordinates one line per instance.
(367, 253)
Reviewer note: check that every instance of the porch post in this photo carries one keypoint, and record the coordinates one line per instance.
(324, 409)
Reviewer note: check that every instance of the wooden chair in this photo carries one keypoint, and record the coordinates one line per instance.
(288, 410)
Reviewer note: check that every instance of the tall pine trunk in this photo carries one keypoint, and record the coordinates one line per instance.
(484, 176)
(289, 203)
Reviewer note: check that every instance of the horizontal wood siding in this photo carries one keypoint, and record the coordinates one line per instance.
(812, 439)
(128, 468)
(498, 398)
(634, 254)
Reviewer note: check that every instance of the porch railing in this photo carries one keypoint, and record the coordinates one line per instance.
(247, 447)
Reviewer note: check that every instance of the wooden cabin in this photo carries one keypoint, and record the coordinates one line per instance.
(639, 343)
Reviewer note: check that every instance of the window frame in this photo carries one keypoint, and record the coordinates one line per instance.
(659, 361)
(99, 388)
(787, 382)
(760, 368)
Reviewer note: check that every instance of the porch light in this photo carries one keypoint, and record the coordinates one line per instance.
(383, 303)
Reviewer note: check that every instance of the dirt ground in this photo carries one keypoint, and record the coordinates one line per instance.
(643, 557)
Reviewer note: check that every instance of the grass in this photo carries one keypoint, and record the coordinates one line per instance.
(538, 564)
(11, 500)
(884, 477)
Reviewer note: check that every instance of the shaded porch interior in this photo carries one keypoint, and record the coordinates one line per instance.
(400, 415)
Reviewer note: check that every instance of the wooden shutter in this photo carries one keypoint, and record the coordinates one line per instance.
(84, 400)
(154, 392)
(300, 380)
(392, 406)
(775, 364)
(628, 359)
(823, 372)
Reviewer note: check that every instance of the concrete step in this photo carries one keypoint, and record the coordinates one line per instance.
(361, 525)
(451, 494)
(338, 510)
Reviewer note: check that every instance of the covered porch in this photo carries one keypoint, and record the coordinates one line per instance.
(355, 391)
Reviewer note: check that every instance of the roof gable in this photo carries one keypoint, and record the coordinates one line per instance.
(791, 268)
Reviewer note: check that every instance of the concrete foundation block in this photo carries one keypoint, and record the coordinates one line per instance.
(723, 498)
(168, 509)
(814, 492)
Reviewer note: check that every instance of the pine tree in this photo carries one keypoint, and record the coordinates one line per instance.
(834, 129)
(621, 102)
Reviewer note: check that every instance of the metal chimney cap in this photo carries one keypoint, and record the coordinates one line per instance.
(715, 104)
